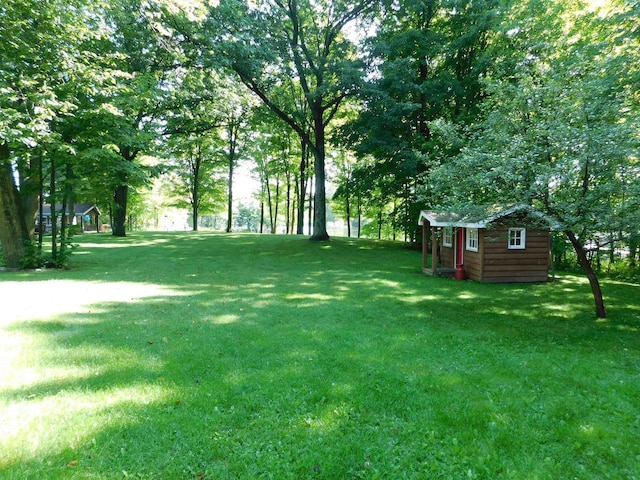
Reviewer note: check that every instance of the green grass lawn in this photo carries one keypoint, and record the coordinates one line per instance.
(189, 356)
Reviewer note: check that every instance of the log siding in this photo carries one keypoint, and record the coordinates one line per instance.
(501, 264)
(494, 261)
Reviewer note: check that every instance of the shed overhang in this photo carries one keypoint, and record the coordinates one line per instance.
(453, 219)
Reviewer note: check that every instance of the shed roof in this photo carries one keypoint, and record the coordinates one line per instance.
(80, 209)
(491, 214)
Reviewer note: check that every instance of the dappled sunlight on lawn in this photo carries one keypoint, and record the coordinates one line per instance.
(411, 299)
(558, 308)
(328, 419)
(243, 356)
(386, 283)
(466, 295)
(223, 319)
(55, 297)
(38, 425)
(145, 243)
(63, 308)
(310, 298)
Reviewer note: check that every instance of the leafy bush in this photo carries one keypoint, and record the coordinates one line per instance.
(623, 270)
(33, 257)
(65, 250)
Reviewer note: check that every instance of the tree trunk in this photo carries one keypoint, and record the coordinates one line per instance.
(274, 224)
(634, 243)
(261, 216)
(347, 202)
(230, 197)
(13, 230)
(194, 215)
(302, 193)
(41, 226)
(54, 214)
(319, 200)
(359, 208)
(588, 270)
(270, 204)
(30, 187)
(233, 131)
(195, 197)
(120, 210)
(310, 217)
(120, 195)
(68, 208)
(287, 216)
(63, 229)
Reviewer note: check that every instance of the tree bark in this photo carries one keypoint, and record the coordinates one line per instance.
(120, 195)
(120, 210)
(13, 229)
(269, 201)
(54, 213)
(196, 164)
(230, 196)
(319, 200)
(302, 192)
(634, 243)
(588, 270)
(261, 216)
(233, 132)
(30, 187)
(194, 214)
(310, 216)
(63, 228)
(41, 226)
(348, 210)
(359, 216)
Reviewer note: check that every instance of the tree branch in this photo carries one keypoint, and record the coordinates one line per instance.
(252, 85)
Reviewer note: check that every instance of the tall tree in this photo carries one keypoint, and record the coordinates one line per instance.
(42, 58)
(280, 46)
(195, 175)
(427, 59)
(235, 110)
(139, 63)
(13, 230)
(192, 127)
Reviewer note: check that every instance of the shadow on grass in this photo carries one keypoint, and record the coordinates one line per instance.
(272, 357)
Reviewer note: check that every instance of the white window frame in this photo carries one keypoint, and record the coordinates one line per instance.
(517, 239)
(447, 237)
(473, 239)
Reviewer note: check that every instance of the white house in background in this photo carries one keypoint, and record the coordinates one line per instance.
(84, 215)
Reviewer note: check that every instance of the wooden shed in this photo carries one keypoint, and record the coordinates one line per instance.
(509, 244)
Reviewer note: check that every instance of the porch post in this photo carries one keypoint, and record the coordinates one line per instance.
(434, 252)
(424, 244)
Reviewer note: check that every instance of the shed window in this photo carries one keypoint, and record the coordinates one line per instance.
(447, 237)
(472, 239)
(517, 238)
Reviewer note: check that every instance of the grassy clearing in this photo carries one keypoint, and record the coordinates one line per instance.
(194, 356)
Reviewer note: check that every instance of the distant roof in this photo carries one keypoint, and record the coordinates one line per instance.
(80, 209)
(475, 220)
